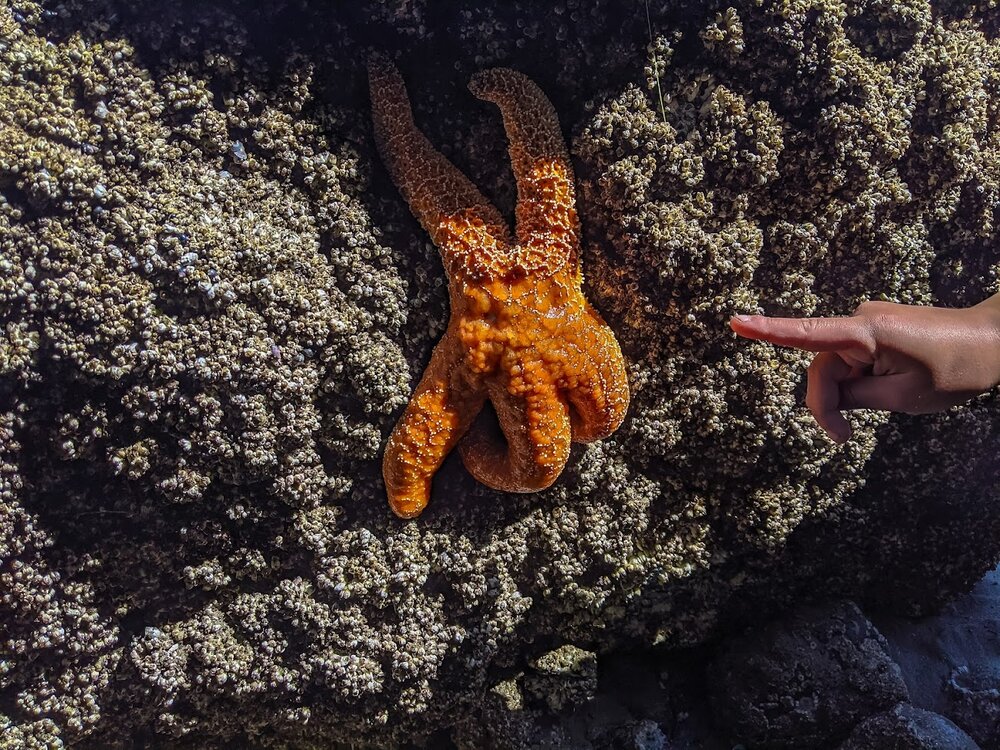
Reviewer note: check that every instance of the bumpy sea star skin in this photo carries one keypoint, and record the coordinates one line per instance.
(521, 332)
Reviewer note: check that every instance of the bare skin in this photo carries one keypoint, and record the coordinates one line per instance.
(890, 357)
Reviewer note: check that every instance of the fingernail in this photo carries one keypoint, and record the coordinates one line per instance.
(742, 318)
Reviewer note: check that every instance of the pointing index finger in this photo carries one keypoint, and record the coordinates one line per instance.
(811, 334)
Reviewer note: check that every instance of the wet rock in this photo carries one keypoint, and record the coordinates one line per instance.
(906, 727)
(973, 697)
(635, 735)
(505, 723)
(805, 680)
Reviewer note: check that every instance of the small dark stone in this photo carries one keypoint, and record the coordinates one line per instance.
(805, 680)
(908, 728)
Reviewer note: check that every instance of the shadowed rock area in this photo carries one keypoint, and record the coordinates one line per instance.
(909, 728)
(802, 680)
(214, 305)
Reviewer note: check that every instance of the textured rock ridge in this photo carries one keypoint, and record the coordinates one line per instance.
(212, 302)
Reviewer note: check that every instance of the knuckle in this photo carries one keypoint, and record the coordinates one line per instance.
(808, 326)
(872, 333)
(873, 307)
(882, 321)
(879, 320)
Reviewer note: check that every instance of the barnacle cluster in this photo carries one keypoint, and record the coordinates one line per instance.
(809, 157)
(199, 327)
(212, 302)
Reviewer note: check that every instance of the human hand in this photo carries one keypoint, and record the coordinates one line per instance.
(889, 356)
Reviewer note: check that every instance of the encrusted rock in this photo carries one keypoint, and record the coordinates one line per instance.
(504, 723)
(635, 735)
(973, 695)
(563, 678)
(906, 727)
(204, 345)
(805, 680)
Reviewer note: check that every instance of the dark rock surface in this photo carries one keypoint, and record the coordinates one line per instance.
(951, 662)
(805, 680)
(973, 696)
(639, 735)
(908, 728)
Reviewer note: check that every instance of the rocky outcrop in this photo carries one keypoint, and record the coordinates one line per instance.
(804, 681)
(212, 304)
(908, 728)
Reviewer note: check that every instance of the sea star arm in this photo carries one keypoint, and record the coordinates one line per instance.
(468, 230)
(438, 414)
(548, 229)
(535, 444)
(598, 390)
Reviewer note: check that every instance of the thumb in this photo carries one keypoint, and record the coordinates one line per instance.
(811, 334)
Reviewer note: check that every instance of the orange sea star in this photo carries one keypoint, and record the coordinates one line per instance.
(521, 333)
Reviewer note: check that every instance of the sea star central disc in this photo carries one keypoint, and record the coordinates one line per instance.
(521, 333)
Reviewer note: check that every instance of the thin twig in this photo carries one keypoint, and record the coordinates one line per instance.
(656, 64)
